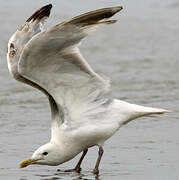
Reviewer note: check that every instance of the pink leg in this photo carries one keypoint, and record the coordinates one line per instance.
(100, 154)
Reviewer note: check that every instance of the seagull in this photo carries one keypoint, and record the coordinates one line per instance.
(83, 115)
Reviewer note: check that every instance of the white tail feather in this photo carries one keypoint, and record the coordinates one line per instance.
(129, 111)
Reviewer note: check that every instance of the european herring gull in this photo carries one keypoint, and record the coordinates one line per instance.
(83, 115)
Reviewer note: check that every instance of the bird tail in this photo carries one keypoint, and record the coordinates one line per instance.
(129, 112)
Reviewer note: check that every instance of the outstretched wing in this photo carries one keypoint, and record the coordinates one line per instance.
(52, 60)
(33, 25)
(21, 37)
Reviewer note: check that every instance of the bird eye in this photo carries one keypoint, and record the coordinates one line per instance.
(45, 153)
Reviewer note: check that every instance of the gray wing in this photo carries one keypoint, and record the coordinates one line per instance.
(21, 37)
(52, 60)
(33, 25)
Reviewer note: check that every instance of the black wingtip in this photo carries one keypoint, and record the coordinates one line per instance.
(120, 7)
(94, 17)
(114, 10)
(40, 13)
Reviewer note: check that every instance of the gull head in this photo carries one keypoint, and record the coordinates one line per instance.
(48, 154)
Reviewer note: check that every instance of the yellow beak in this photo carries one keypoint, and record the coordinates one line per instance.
(26, 162)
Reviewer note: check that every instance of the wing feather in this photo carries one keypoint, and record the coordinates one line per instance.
(52, 60)
(20, 38)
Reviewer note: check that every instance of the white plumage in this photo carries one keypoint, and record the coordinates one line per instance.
(82, 113)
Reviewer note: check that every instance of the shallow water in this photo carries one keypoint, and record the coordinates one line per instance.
(140, 55)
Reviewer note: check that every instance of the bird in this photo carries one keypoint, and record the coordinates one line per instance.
(83, 113)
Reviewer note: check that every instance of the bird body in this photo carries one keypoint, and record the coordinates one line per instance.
(83, 114)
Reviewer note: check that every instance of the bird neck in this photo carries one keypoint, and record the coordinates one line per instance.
(64, 143)
(64, 151)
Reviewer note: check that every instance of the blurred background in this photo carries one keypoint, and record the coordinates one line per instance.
(140, 54)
